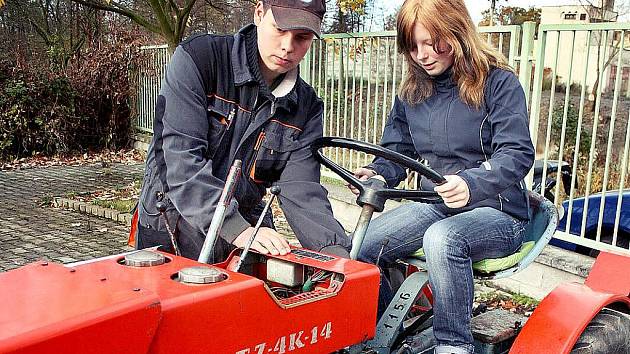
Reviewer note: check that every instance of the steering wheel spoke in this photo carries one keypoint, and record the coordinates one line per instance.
(342, 172)
(373, 193)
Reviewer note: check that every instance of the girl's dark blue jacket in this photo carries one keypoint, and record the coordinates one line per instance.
(489, 147)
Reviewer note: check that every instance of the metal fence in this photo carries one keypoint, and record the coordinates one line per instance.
(357, 76)
(149, 75)
(580, 113)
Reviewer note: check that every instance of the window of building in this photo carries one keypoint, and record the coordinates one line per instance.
(582, 17)
(570, 16)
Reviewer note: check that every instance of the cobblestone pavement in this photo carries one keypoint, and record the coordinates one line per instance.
(30, 232)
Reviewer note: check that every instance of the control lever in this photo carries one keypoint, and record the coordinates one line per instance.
(275, 190)
(219, 212)
(161, 207)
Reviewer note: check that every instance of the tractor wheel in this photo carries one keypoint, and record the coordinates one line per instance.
(608, 333)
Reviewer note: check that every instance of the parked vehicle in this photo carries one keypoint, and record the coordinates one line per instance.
(553, 166)
(577, 209)
(591, 218)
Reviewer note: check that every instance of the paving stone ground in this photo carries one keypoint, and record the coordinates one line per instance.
(30, 231)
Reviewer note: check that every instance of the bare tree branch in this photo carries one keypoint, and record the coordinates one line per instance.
(42, 32)
(122, 10)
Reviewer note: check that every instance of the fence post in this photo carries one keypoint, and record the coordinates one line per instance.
(527, 43)
(306, 64)
(534, 115)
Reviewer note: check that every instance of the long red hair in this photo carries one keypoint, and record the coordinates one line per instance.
(448, 21)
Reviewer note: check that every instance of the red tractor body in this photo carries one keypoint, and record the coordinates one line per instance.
(562, 316)
(108, 307)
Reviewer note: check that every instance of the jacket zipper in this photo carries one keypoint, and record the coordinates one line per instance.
(230, 120)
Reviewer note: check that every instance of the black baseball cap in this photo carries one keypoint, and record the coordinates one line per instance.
(298, 14)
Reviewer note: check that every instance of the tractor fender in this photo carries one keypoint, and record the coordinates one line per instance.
(560, 319)
(562, 316)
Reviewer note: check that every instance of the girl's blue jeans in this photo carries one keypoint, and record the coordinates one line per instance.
(451, 244)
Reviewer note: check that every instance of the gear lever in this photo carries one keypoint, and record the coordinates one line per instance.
(275, 190)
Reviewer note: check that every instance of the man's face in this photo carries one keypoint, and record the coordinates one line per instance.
(280, 51)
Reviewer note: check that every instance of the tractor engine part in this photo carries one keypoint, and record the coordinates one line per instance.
(200, 275)
(144, 258)
(285, 273)
(275, 190)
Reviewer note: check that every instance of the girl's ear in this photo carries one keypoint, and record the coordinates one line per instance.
(445, 47)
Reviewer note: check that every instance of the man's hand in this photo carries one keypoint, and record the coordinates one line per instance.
(454, 192)
(362, 174)
(267, 241)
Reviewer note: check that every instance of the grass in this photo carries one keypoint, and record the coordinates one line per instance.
(123, 206)
(120, 199)
(332, 181)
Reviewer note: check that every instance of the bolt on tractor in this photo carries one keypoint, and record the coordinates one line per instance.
(150, 301)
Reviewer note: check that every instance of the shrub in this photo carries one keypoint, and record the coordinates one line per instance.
(36, 111)
(85, 106)
(102, 77)
(570, 131)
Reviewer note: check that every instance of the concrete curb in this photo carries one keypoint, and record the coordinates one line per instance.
(89, 208)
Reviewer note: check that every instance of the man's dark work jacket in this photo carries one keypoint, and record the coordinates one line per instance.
(490, 147)
(214, 108)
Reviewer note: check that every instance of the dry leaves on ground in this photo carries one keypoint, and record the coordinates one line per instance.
(129, 156)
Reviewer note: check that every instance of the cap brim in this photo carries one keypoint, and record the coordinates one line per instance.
(293, 19)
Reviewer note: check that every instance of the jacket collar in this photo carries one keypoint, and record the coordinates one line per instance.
(240, 64)
(246, 69)
(444, 81)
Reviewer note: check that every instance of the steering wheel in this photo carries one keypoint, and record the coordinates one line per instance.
(372, 193)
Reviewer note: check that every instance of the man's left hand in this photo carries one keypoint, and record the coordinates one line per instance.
(454, 192)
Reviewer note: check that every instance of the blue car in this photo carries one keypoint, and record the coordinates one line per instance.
(563, 170)
(592, 216)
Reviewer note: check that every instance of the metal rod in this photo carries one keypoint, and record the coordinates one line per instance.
(219, 212)
(360, 230)
(275, 190)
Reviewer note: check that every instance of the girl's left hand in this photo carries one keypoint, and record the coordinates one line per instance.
(454, 192)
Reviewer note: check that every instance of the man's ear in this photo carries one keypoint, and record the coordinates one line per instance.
(259, 12)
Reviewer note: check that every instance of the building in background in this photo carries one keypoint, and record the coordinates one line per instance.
(570, 51)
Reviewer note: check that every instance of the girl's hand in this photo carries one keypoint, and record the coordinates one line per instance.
(454, 192)
(362, 174)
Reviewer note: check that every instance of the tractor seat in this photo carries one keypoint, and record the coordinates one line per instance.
(538, 232)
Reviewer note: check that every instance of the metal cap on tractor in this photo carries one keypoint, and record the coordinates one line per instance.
(144, 258)
(201, 275)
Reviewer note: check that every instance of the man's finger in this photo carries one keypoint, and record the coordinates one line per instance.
(266, 243)
(259, 247)
(278, 242)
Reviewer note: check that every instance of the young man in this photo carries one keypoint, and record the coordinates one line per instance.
(239, 97)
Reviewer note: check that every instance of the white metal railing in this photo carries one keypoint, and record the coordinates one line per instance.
(566, 117)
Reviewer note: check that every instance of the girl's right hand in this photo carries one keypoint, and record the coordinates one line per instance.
(362, 174)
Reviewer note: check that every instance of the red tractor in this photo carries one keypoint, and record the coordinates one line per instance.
(305, 302)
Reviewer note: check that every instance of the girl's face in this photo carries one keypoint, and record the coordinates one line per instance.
(424, 54)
